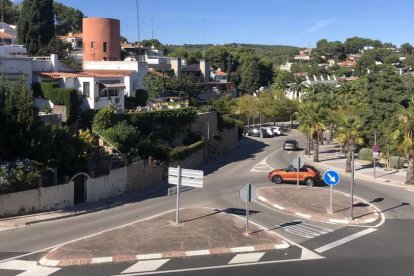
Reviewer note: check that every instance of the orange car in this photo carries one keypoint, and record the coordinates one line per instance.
(307, 174)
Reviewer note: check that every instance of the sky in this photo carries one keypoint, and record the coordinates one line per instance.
(274, 22)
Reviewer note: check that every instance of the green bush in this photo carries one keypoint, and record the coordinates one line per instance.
(191, 138)
(225, 121)
(60, 96)
(397, 162)
(104, 118)
(122, 136)
(365, 154)
(180, 153)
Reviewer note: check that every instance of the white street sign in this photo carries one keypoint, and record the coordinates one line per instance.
(298, 162)
(247, 193)
(191, 178)
(375, 154)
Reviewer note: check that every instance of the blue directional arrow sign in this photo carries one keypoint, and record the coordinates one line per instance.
(331, 177)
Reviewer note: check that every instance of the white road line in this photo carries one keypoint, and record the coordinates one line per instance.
(345, 240)
(303, 215)
(85, 237)
(29, 268)
(144, 266)
(262, 198)
(243, 249)
(278, 207)
(410, 190)
(149, 256)
(197, 253)
(344, 221)
(247, 258)
(102, 260)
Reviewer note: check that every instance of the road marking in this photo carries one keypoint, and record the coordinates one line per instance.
(262, 198)
(305, 230)
(370, 220)
(344, 221)
(262, 166)
(29, 268)
(243, 249)
(278, 207)
(197, 253)
(102, 260)
(56, 246)
(303, 215)
(284, 245)
(144, 266)
(345, 240)
(149, 256)
(410, 190)
(247, 258)
(290, 152)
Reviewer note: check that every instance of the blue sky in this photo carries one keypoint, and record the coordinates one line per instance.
(288, 22)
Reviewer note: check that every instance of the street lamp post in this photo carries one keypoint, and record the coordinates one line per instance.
(353, 148)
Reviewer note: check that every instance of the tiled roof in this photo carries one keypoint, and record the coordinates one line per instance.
(87, 73)
(219, 73)
(6, 35)
(77, 35)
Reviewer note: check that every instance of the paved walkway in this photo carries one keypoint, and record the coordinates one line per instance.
(330, 157)
(201, 231)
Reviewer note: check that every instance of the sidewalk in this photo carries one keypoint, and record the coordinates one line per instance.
(331, 158)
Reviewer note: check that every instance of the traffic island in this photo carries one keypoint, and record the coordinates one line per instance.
(201, 231)
(313, 203)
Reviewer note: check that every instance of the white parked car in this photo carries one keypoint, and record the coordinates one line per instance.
(268, 131)
(276, 130)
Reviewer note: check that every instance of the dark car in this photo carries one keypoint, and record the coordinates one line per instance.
(307, 174)
(255, 131)
(291, 145)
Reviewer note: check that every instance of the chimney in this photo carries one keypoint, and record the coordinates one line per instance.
(205, 70)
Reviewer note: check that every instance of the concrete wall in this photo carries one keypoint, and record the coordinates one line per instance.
(106, 186)
(142, 175)
(192, 162)
(205, 124)
(42, 199)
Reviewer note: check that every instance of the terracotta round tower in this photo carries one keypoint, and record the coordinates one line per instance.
(101, 39)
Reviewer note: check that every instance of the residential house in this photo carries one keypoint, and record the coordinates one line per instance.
(304, 55)
(75, 40)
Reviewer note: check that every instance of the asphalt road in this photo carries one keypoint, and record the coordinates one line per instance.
(385, 251)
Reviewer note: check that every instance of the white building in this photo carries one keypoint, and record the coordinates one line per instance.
(286, 67)
(218, 76)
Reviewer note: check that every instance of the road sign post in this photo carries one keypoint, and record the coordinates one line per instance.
(247, 193)
(298, 163)
(184, 177)
(375, 152)
(331, 178)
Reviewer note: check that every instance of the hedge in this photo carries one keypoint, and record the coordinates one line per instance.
(180, 153)
(397, 162)
(225, 121)
(365, 154)
(60, 96)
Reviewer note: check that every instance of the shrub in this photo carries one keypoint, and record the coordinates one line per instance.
(180, 153)
(397, 162)
(191, 138)
(104, 118)
(60, 96)
(365, 154)
(225, 121)
(122, 136)
(19, 175)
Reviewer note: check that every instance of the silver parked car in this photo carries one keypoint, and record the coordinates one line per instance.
(290, 144)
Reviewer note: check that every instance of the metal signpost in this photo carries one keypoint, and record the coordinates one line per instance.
(351, 211)
(375, 152)
(184, 177)
(247, 193)
(331, 178)
(298, 164)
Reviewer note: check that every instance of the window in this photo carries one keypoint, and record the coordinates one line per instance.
(93, 45)
(86, 89)
(105, 47)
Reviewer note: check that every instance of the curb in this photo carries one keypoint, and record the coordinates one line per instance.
(154, 256)
(307, 216)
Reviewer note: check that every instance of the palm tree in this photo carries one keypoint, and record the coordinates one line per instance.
(404, 136)
(311, 118)
(349, 132)
(297, 87)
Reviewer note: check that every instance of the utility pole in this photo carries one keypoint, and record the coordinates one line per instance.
(138, 27)
(375, 145)
(351, 214)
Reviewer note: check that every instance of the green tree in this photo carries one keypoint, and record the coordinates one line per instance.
(247, 106)
(403, 135)
(104, 119)
(311, 118)
(36, 24)
(67, 19)
(250, 76)
(349, 132)
(407, 49)
(10, 12)
(297, 87)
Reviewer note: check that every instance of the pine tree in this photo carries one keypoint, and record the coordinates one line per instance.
(36, 24)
